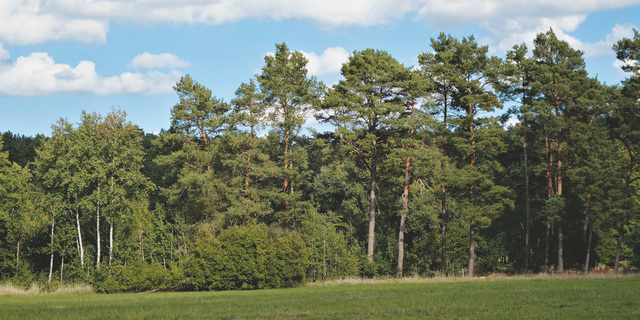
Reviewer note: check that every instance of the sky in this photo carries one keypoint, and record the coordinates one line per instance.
(59, 57)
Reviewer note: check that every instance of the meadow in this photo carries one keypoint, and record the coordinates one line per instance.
(534, 297)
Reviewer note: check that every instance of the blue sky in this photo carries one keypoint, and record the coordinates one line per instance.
(63, 56)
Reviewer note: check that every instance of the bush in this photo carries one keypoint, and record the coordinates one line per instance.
(247, 257)
(136, 277)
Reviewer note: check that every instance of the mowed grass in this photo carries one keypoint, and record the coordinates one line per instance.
(519, 298)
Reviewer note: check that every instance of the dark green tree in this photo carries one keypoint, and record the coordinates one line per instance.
(361, 107)
(290, 94)
(558, 80)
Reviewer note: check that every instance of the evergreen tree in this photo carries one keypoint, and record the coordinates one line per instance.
(558, 80)
(290, 94)
(361, 107)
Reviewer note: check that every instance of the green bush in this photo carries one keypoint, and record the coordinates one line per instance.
(136, 277)
(247, 257)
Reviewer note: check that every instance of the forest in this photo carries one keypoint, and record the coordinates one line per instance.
(420, 175)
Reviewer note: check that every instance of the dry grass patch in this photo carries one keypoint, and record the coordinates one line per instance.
(8, 289)
(490, 277)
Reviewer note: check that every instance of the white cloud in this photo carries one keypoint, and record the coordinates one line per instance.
(155, 61)
(28, 22)
(504, 22)
(39, 74)
(329, 62)
(4, 54)
(603, 47)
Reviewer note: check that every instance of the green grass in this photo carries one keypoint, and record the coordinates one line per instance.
(519, 298)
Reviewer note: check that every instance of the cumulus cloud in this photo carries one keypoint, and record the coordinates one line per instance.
(504, 22)
(38, 74)
(603, 47)
(28, 22)
(4, 54)
(329, 62)
(155, 61)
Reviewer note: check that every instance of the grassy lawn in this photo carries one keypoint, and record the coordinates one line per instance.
(514, 298)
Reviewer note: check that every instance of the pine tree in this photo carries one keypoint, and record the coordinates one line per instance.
(290, 94)
(361, 107)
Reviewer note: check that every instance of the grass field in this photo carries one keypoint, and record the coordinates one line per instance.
(513, 298)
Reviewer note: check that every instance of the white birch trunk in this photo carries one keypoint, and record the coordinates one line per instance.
(80, 246)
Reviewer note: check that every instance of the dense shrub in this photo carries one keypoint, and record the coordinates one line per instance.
(136, 277)
(247, 257)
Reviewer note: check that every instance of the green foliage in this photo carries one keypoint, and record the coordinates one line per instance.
(247, 257)
(628, 51)
(414, 153)
(136, 277)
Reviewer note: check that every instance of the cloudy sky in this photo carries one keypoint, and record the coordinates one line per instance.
(58, 57)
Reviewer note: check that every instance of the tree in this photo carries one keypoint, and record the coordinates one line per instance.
(475, 139)
(199, 113)
(438, 67)
(361, 107)
(628, 51)
(17, 215)
(244, 156)
(289, 94)
(625, 123)
(412, 142)
(59, 171)
(198, 120)
(515, 87)
(120, 151)
(558, 80)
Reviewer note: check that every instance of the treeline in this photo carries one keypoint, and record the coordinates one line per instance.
(419, 176)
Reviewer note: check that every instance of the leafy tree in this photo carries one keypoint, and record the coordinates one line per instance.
(60, 172)
(17, 215)
(121, 152)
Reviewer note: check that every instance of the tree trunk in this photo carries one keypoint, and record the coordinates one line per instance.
(142, 247)
(53, 224)
(527, 204)
(472, 236)
(98, 230)
(549, 178)
(110, 240)
(560, 247)
(588, 224)
(444, 230)
(472, 249)
(559, 193)
(618, 247)
(586, 263)
(80, 245)
(18, 253)
(403, 217)
(443, 267)
(546, 246)
(372, 215)
(248, 168)
(62, 267)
